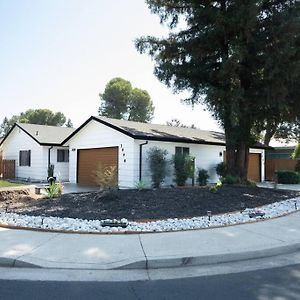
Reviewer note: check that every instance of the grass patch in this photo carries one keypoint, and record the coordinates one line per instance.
(4, 184)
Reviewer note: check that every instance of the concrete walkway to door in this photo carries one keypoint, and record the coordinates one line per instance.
(270, 185)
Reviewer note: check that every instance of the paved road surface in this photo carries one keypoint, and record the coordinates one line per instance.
(277, 283)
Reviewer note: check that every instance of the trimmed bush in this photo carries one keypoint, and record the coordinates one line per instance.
(288, 177)
(202, 177)
(221, 169)
(231, 179)
(184, 168)
(158, 165)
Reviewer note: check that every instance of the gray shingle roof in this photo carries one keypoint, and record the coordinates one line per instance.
(47, 134)
(164, 132)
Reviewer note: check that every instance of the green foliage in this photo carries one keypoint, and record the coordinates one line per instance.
(115, 98)
(231, 179)
(214, 188)
(296, 153)
(69, 123)
(288, 177)
(240, 58)
(177, 123)
(33, 116)
(202, 177)
(221, 169)
(140, 106)
(52, 190)
(297, 168)
(184, 168)
(140, 185)
(158, 165)
(121, 101)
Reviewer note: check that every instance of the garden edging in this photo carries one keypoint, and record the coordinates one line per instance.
(69, 225)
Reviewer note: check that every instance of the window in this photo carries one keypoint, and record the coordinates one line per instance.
(182, 150)
(25, 158)
(62, 155)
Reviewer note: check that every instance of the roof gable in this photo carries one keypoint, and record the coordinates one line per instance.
(44, 135)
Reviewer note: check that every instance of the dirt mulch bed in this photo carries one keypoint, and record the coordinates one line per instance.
(148, 204)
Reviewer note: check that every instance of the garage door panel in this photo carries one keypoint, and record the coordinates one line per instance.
(254, 166)
(96, 161)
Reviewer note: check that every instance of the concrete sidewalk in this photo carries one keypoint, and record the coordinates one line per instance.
(22, 248)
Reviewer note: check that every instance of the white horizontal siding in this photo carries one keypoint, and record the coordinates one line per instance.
(61, 169)
(206, 157)
(97, 135)
(18, 140)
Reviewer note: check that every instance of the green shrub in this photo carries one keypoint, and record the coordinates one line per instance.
(140, 185)
(229, 179)
(221, 169)
(288, 177)
(184, 168)
(202, 177)
(52, 190)
(158, 165)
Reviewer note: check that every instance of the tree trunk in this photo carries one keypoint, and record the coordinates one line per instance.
(270, 131)
(242, 161)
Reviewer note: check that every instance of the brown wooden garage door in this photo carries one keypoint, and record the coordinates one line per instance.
(254, 167)
(93, 163)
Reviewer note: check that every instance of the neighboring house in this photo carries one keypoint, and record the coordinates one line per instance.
(34, 147)
(279, 159)
(124, 144)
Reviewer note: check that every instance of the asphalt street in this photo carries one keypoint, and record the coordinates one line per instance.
(276, 283)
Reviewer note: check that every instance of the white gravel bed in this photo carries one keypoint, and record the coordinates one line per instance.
(79, 225)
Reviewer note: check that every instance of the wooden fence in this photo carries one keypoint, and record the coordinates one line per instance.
(8, 169)
(273, 165)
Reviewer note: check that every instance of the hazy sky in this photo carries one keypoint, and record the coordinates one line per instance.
(59, 54)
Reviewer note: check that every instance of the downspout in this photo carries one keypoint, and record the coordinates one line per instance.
(141, 158)
(49, 149)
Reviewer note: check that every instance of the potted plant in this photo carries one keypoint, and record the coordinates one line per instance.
(51, 179)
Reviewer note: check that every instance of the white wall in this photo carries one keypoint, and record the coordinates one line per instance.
(206, 157)
(18, 140)
(97, 135)
(61, 169)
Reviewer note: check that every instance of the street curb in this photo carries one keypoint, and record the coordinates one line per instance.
(162, 263)
(7, 262)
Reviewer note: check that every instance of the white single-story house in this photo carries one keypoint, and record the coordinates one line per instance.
(34, 147)
(126, 143)
(77, 154)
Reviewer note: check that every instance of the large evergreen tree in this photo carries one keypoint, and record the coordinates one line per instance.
(239, 57)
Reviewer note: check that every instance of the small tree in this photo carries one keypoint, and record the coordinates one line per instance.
(221, 169)
(158, 165)
(184, 168)
(202, 177)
